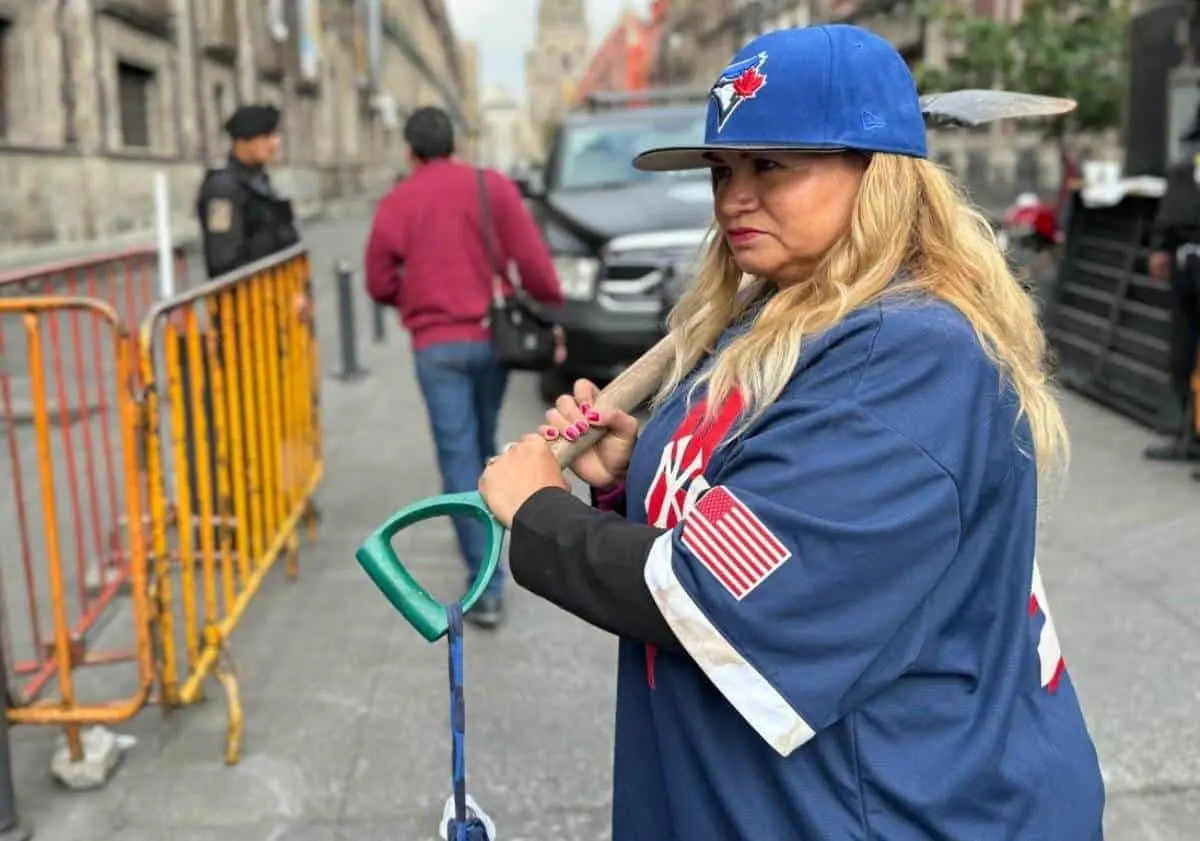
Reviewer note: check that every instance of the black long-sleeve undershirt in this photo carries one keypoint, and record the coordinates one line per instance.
(590, 563)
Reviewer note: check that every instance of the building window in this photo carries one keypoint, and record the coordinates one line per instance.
(220, 102)
(135, 86)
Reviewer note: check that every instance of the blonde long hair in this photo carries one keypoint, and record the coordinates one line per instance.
(909, 217)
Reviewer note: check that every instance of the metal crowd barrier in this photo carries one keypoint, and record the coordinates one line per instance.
(125, 280)
(232, 369)
(76, 494)
(164, 472)
(1106, 320)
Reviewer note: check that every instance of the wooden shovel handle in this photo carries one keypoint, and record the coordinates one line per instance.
(631, 388)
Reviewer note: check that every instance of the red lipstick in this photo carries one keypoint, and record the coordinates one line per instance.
(742, 236)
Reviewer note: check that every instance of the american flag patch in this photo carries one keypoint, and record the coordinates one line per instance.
(731, 542)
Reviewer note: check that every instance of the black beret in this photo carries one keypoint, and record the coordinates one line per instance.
(251, 121)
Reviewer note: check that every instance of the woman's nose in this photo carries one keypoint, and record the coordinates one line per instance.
(736, 194)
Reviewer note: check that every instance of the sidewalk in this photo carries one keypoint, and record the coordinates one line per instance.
(346, 733)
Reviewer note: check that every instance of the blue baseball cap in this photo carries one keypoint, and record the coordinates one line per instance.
(816, 88)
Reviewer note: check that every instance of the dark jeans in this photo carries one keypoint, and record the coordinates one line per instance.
(463, 387)
(1185, 326)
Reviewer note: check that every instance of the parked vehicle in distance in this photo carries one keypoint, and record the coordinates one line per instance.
(625, 242)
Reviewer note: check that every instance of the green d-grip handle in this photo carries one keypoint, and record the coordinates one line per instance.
(423, 611)
(630, 388)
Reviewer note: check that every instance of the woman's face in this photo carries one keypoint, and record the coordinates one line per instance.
(780, 212)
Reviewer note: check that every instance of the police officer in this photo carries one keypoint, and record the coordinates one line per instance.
(242, 217)
(1175, 255)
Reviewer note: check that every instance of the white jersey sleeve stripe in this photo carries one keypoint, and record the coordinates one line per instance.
(751, 694)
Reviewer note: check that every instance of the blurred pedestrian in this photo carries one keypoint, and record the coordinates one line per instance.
(1175, 258)
(430, 255)
(1070, 184)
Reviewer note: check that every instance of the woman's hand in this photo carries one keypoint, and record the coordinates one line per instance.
(606, 463)
(523, 469)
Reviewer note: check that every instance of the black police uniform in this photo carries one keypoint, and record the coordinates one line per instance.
(1177, 232)
(242, 217)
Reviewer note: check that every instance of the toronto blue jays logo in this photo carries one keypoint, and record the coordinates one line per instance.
(740, 81)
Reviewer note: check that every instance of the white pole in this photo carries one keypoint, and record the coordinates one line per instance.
(162, 225)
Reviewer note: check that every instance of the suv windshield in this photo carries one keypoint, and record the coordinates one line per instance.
(601, 154)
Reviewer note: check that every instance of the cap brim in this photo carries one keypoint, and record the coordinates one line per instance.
(672, 158)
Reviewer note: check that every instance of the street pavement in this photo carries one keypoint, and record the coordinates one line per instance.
(346, 733)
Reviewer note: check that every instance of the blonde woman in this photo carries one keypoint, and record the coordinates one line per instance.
(819, 553)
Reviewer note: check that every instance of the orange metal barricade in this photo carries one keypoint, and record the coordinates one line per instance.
(233, 457)
(73, 520)
(1196, 397)
(125, 280)
(156, 479)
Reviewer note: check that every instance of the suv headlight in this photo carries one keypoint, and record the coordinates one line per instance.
(577, 276)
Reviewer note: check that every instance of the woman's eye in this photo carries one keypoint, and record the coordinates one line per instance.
(719, 173)
(764, 165)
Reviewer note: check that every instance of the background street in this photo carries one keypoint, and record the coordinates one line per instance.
(346, 733)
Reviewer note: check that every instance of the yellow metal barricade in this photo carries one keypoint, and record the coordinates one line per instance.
(71, 512)
(233, 458)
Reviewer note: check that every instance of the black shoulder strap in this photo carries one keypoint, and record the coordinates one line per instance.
(486, 223)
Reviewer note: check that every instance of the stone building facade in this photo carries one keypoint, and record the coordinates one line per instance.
(553, 67)
(622, 59)
(96, 98)
(469, 144)
(502, 130)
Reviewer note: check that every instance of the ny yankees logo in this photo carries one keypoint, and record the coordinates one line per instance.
(677, 483)
(679, 480)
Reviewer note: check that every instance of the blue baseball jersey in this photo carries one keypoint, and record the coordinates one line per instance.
(872, 655)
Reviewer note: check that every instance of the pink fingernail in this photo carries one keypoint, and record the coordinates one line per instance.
(581, 427)
(570, 434)
(593, 416)
(584, 407)
(551, 433)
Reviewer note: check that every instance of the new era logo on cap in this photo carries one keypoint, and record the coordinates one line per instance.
(872, 121)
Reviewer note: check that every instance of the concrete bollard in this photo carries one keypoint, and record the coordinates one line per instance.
(347, 333)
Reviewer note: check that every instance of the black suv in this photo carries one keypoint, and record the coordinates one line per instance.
(625, 242)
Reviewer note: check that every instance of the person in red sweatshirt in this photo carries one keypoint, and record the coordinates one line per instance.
(427, 258)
